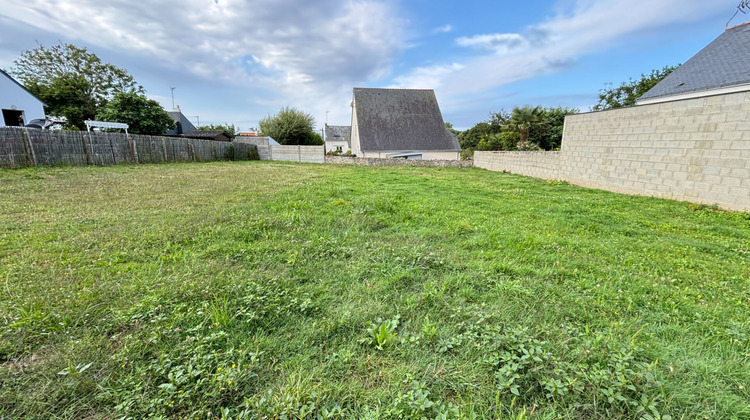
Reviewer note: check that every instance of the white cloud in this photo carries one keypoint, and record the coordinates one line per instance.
(308, 53)
(585, 27)
(502, 43)
(442, 29)
(426, 77)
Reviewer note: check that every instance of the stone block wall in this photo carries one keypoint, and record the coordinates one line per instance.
(311, 154)
(545, 165)
(695, 150)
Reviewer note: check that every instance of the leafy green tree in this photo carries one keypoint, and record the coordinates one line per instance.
(548, 132)
(290, 126)
(72, 81)
(469, 139)
(229, 128)
(523, 118)
(66, 96)
(143, 115)
(499, 120)
(628, 92)
(505, 140)
(316, 139)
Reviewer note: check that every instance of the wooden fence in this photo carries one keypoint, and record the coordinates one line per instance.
(20, 147)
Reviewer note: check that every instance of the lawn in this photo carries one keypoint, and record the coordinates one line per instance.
(275, 290)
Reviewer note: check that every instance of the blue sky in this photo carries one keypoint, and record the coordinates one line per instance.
(238, 61)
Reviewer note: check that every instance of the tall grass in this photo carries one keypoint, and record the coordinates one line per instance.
(273, 290)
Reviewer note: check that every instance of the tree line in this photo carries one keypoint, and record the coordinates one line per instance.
(539, 128)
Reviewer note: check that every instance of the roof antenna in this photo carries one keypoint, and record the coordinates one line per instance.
(743, 7)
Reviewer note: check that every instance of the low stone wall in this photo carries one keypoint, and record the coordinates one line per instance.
(544, 165)
(345, 160)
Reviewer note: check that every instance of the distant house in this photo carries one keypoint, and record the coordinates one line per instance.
(182, 124)
(400, 123)
(723, 66)
(338, 138)
(216, 135)
(18, 105)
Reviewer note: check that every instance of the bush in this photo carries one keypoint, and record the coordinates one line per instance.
(506, 140)
(291, 127)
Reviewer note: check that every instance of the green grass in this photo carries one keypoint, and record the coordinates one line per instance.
(257, 289)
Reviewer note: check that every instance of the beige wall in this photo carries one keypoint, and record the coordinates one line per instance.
(696, 150)
(545, 165)
(312, 154)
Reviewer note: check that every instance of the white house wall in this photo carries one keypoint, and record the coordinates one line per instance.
(15, 97)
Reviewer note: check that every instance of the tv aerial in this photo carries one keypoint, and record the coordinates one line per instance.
(743, 7)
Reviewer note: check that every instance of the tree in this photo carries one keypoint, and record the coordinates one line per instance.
(506, 140)
(66, 96)
(229, 128)
(290, 126)
(548, 132)
(523, 118)
(143, 115)
(628, 92)
(72, 81)
(499, 120)
(469, 139)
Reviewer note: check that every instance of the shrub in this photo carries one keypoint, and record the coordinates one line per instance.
(291, 126)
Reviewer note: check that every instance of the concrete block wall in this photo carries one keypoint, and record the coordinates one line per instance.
(695, 150)
(545, 165)
(312, 154)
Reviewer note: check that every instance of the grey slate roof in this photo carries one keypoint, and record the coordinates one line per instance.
(338, 132)
(725, 62)
(178, 116)
(209, 135)
(401, 119)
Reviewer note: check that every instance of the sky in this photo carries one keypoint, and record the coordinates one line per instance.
(235, 62)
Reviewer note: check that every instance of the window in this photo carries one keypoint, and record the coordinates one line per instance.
(339, 149)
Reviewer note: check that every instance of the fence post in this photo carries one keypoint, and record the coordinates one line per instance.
(299, 153)
(86, 148)
(30, 154)
(133, 150)
(164, 148)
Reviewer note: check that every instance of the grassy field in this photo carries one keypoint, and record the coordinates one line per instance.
(272, 290)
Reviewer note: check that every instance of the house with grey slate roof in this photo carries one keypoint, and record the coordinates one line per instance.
(338, 138)
(719, 68)
(400, 123)
(182, 124)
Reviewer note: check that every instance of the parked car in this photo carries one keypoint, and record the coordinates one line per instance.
(45, 124)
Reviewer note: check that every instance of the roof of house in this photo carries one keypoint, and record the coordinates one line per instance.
(723, 63)
(338, 132)
(21, 86)
(207, 134)
(179, 117)
(401, 119)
